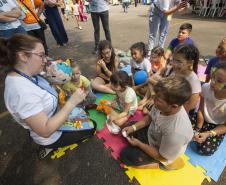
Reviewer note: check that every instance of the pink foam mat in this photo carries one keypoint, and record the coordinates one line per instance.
(115, 142)
(138, 115)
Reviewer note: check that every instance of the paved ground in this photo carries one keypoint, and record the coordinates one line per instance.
(90, 163)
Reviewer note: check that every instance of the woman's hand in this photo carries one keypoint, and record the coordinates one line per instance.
(133, 141)
(78, 96)
(201, 137)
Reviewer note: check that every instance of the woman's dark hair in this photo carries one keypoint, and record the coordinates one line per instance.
(120, 78)
(190, 53)
(140, 46)
(105, 44)
(10, 47)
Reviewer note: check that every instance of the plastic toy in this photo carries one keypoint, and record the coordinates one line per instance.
(140, 77)
(103, 107)
(78, 124)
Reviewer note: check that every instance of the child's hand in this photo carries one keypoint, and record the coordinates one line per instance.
(113, 104)
(101, 63)
(133, 141)
(201, 137)
(128, 130)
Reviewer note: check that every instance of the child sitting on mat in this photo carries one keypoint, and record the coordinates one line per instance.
(183, 36)
(139, 62)
(220, 58)
(79, 81)
(211, 122)
(158, 63)
(161, 136)
(106, 64)
(126, 101)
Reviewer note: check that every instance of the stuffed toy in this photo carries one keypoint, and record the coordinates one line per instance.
(59, 72)
(104, 107)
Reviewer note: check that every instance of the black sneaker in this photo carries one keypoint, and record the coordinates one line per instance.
(44, 152)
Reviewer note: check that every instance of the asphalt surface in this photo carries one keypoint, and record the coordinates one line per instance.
(90, 163)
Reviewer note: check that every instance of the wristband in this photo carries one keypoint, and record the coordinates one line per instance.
(212, 133)
(134, 127)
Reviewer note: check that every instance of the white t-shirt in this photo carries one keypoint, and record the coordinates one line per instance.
(75, 9)
(166, 4)
(194, 81)
(144, 65)
(6, 6)
(214, 109)
(128, 96)
(170, 134)
(24, 99)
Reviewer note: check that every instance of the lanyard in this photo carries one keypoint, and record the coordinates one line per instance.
(33, 80)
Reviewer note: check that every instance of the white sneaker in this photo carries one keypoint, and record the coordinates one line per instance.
(113, 128)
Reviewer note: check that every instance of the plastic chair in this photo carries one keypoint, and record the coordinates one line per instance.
(204, 7)
(215, 6)
(223, 9)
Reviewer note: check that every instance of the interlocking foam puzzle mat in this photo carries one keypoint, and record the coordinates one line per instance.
(190, 174)
(213, 165)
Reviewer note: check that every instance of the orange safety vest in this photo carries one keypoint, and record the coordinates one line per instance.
(29, 18)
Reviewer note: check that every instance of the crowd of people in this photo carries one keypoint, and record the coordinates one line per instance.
(177, 108)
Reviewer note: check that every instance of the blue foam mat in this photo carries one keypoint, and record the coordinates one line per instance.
(213, 165)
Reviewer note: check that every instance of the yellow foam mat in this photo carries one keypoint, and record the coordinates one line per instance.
(61, 151)
(188, 175)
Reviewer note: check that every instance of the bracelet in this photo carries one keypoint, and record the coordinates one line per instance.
(106, 69)
(134, 127)
(212, 133)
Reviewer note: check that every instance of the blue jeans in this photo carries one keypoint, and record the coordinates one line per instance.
(9, 33)
(158, 26)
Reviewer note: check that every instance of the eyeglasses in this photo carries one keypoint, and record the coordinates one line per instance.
(43, 56)
(177, 62)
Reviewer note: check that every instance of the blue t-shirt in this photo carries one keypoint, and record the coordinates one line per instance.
(98, 6)
(175, 42)
(213, 62)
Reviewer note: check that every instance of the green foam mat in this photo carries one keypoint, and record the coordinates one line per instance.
(98, 116)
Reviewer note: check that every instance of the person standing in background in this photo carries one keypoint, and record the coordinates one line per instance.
(100, 11)
(55, 22)
(30, 21)
(160, 16)
(9, 18)
(62, 9)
